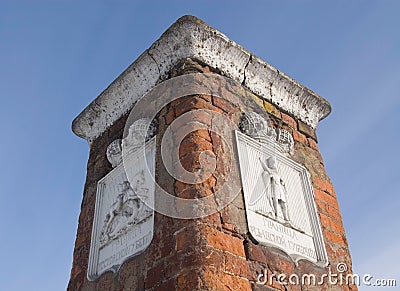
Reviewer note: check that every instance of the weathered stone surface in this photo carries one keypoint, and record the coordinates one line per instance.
(286, 93)
(189, 37)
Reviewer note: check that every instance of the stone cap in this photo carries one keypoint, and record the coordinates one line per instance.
(190, 37)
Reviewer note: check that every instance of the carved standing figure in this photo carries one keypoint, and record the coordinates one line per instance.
(275, 187)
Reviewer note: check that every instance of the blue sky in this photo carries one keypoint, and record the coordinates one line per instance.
(57, 56)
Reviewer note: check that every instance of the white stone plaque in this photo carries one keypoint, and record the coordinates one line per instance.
(124, 217)
(279, 200)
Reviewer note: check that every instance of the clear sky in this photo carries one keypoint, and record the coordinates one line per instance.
(57, 56)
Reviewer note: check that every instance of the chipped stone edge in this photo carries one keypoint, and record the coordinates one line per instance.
(190, 37)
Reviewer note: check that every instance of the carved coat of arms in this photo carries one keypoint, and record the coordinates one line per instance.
(278, 194)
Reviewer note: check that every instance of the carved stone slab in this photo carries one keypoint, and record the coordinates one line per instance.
(279, 201)
(124, 218)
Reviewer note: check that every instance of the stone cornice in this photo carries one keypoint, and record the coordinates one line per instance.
(189, 37)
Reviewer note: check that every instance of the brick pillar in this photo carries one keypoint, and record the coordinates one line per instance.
(215, 252)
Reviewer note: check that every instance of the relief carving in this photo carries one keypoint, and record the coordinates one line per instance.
(139, 132)
(127, 210)
(278, 193)
(123, 223)
(275, 191)
(256, 127)
(114, 153)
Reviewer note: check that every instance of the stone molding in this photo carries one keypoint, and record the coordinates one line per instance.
(190, 37)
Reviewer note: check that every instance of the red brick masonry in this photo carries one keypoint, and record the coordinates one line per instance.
(215, 252)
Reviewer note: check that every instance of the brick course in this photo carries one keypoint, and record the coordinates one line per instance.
(214, 252)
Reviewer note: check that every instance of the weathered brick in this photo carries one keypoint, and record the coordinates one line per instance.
(323, 185)
(199, 256)
(327, 209)
(192, 193)
(186, 66)
(151, 258)
(207, 278)
(229, 226)
(168, 285)
(255, 252)
(299, 137)
(237, 266)
(194, 145)
(225, 105)
(190, 281)
(201, 133)
(168, 244)
(259, 287)
(188, 236)
(278, 261)
(331, 224)
(235, 216)
(326, 198)
(224, 242)
(313, 144)
(289, 120)
(307, 130)
(88, 286)
(206, 186)
(337, 253)
(335, 238)
(195, 102)
(106, 281)
(223, 158)
(132, 273)
(213, 219)
(306, 267)
(193, 161)
(206, 253)
(170, 116)
(197, 116)
(180, 186)
(271, 281)
(223, 281)
(155, 275)
(172, 266)
(271, 109)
